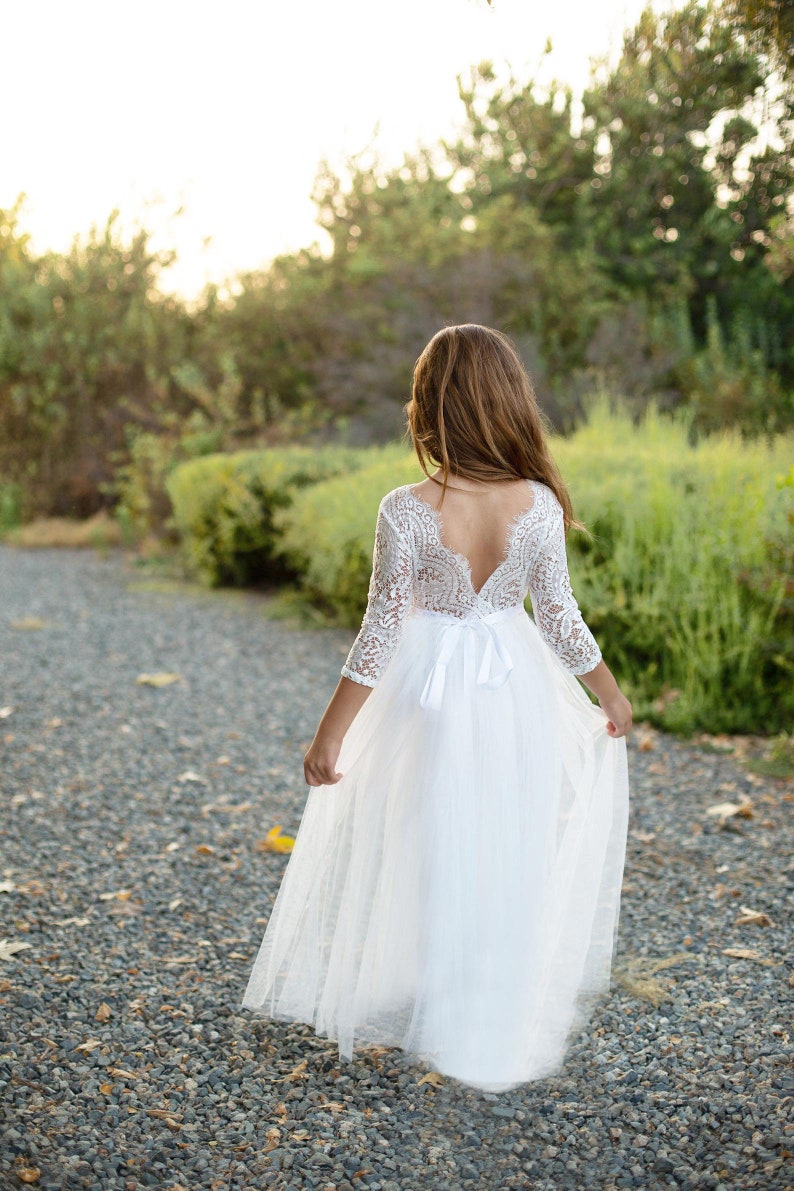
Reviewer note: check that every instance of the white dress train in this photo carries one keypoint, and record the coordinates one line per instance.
(456, 894)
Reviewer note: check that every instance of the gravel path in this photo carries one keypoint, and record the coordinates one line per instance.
(130, 869)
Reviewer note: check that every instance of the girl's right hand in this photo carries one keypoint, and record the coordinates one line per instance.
(319, 762)
(618, 711)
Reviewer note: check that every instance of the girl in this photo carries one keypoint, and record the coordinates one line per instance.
(454, 886)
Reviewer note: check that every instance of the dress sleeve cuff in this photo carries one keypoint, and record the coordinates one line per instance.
(348, 673)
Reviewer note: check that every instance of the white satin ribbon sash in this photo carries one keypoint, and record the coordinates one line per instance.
(495, 664)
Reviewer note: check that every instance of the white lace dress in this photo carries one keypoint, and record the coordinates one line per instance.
(456, 894)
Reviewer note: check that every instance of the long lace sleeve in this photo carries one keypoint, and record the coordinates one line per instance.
(554, 605)
(390, 594)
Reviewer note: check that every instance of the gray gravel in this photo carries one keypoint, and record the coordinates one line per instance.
(130, 864)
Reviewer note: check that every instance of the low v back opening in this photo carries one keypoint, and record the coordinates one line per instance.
(509, 533)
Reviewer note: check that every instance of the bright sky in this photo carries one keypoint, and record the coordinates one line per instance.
(226, 109)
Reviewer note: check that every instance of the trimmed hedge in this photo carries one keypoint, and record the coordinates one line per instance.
(225, 506)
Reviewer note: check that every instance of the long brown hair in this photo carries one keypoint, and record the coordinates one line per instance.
(473, 413)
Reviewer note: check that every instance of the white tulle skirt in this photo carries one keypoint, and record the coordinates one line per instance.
(456, 894)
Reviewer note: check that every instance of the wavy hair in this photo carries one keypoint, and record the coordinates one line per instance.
(473, 413)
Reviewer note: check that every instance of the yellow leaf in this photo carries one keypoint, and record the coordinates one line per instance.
(106, 1088)
(434, 1078)
(28, 1174)
(159, 678)
(29, 622)
(274, 841)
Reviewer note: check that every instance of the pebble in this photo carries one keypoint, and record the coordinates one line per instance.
(144, 891)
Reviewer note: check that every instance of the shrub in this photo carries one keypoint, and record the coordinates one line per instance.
(683, 582)
(225, 506)
(328, 532)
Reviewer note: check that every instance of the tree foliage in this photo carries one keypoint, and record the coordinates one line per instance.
(642, 236)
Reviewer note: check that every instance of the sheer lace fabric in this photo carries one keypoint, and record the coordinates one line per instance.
(413, 568)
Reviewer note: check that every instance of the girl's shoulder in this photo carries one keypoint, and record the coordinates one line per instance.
(396, 501)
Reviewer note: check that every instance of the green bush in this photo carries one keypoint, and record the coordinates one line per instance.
(328, 532)
(10, 506)
(683, 582)
(224, 506)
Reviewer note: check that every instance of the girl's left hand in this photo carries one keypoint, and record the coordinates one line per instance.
(319, 763)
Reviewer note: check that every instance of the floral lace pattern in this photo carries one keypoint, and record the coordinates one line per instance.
(412, 567)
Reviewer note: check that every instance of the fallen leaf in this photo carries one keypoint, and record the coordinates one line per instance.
(9, 947)
(159, 678)
(122, 1073)
(274, 841)
(434, 1078)
(296, 1073)
(741, 953)
(5, 712)
(27, 1174)
(103, 1012)
(29, 622)
(646, 743)
(729, 810)
(644, 837)
(89, 1045)
(190, 776)
(205, 849)
(748, 917)
(121, 895)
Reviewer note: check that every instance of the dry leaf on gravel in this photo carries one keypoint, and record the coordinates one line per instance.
(103, 1012)
(9, 947)
(27, 1174)
(190, 776)
(434, 1078)
(730, 810)
(748, 917)
(274, 841)
(89, 1045)
(296, 1073)
(747, 953)
(159, 678)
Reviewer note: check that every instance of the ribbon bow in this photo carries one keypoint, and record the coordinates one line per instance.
(495, 665)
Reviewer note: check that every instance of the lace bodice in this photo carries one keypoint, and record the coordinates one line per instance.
(412, 567)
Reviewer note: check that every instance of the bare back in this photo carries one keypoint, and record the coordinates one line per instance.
(476, 518)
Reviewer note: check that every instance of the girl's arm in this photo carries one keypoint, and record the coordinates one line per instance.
(562, 626)
(617, 708)
(319, 764)
(388, 601)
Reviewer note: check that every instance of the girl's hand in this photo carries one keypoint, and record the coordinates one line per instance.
(618, 712)
(319, 762)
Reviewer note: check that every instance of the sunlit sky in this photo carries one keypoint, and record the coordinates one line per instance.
(226, 109)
